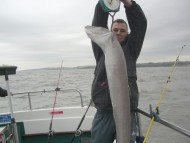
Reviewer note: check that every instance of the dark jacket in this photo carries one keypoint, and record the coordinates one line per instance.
(131, 48)
(3, 92)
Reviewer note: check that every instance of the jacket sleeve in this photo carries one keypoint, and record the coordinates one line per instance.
(100, 20)
(138, 24)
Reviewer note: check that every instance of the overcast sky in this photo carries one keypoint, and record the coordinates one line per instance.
(42, 33)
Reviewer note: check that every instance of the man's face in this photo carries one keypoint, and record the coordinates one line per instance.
(120, 31)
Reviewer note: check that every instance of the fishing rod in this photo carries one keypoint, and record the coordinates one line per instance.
(155, 114)
(51, 132)
(78, 131)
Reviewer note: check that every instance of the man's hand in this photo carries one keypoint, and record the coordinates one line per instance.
(127, 3)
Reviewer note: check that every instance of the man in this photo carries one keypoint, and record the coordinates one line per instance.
(3, 92)
(103, 126)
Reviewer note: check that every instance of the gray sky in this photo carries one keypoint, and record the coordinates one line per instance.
(42, 33)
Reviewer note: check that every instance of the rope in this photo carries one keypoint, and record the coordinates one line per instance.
(162, 96)
(51, 133)
(112, 16)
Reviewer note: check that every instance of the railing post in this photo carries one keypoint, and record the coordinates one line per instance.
(29, 100)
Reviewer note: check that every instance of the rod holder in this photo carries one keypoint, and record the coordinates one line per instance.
(7, 70)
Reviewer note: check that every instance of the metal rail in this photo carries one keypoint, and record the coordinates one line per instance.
(167, 124)
(47, 91)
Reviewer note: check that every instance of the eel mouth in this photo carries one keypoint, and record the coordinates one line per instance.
(93, 31)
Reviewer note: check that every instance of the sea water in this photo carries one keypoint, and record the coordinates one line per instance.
(175, 106)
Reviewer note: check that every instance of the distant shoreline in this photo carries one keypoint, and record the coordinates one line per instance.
(150, 64)
(163, 64)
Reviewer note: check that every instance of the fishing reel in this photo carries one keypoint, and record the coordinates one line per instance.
(110, 5)
(51, 133)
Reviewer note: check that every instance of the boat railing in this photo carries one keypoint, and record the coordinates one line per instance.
(29, 93)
